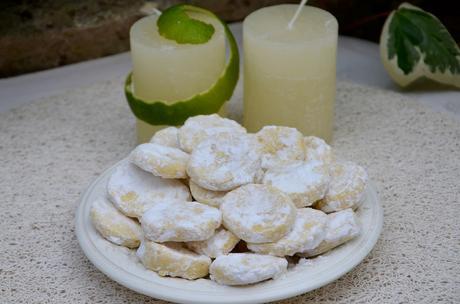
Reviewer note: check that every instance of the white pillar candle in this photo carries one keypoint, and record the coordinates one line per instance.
(289, 73)
(166, 71)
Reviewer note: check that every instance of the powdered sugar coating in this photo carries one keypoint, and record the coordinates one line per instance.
(258, 213)
(304, 182)
(293, 171)
(171, 259)
(246, 268)
(222, 242)
(259, 177)
(308, 232)
(200, 127)
(316, 149)
(180, 221)
(224, 162)
(133, 190)
(205, 196)
(113, 225)
(280, 145)
(346, 189)
(167, 137)
(163, 161)
(341, 227)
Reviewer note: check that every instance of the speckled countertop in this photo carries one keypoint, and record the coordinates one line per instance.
(52, 149)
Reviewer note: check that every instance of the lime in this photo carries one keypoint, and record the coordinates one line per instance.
(157, 112)
(175, 24)
(415, 44)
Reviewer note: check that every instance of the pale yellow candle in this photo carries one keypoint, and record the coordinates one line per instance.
(167, 71)
(289, 72)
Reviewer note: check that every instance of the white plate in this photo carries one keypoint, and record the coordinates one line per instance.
(121, 264)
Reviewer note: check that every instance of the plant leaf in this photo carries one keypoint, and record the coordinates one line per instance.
(420, 45)
(175, 24)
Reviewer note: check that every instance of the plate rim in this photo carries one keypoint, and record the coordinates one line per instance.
(105, 265)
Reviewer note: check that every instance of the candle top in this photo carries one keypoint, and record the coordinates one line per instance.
(145, 32)
(271, 24)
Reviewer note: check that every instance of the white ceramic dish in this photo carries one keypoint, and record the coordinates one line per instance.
(121, 264)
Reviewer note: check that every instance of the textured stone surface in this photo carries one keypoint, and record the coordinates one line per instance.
(37, 35)
(50, 151)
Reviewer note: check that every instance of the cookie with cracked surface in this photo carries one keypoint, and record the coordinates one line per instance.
(205, 196)
(167, 137)
(113, 225)
(133, 190)
(304, 182)
(341, 227)
(200, 127)
(162, 161)
(346, 188)
(317, 149)
(280, 145)
(246, 268)
(258, 213)
(224, 162)
(308, 232)
(221, 243)
(180, 221)
(171, 259)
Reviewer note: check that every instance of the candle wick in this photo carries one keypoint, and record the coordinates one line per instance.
(150, 8)
(157, 11)
(297, 13)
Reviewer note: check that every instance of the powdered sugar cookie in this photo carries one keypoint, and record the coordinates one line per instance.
(222, 242)
(166, 162)
(180, 221)
(308, 232)
(133, 190)
(246, 268)
(341, 227)
(167, 137)
(280, 145)
(304, 182)
(258, 213)
(317, 149)
(224, 162)
(346, 189)
(205, 196)
(113, 225)
(198, 128)
(171, 259)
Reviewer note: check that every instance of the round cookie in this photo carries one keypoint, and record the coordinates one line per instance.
(280, 145)
(304, 182)
(113, 225)
(258, 213)
(205, 196)
(163, 161)
(316, 149)
(346, 189)
(224, 162)
(308, 232)
(200, 127)
(222, 242)
(341, 227)
(133, 190)
(167, 137)
(246, 268)
(171, 259)
(180, 221)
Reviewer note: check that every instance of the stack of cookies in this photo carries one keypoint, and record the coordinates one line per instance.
(211, 199)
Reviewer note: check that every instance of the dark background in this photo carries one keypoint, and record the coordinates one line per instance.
(36, 35)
